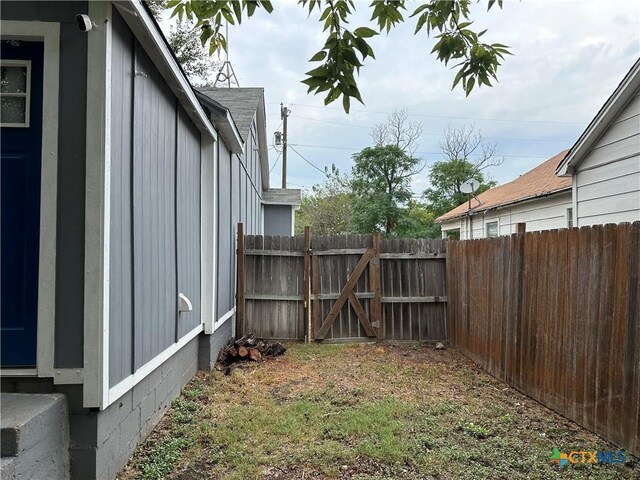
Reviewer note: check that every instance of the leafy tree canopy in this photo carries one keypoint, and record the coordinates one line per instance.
(446, 178)
(418, 221)
(381, 185)
(345, 48)
(327, 209)
(184, 41)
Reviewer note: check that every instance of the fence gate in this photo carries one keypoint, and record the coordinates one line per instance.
(341, 288)
(345, 288)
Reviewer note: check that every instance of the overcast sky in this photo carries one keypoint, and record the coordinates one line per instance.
(569, 55)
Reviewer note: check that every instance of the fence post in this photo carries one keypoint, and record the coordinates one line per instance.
(521, 227)
(307, 283)
(374, 286)
(240, 284)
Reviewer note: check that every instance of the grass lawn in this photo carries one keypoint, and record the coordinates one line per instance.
(363, 412)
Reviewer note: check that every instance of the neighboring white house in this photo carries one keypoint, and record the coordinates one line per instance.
(539, 199)
(604, 164)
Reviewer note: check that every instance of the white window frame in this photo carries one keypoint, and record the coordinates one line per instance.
(486, 228)
(26, 95)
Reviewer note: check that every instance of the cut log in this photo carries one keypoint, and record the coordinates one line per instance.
(247, 348)
(254, 354)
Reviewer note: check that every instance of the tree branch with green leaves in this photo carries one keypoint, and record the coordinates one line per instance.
(345, 50)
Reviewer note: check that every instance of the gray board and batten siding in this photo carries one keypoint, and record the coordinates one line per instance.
(239, 200)
(278, 219)
(155, 211)
(69, 301)
(226, 243)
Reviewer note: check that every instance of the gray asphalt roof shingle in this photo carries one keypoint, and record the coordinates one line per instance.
(242, 102)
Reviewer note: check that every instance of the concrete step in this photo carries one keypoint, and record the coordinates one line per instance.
(8, 468)
(34, 436)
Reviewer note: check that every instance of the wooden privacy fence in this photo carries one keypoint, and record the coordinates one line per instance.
(346, 287)
(556, 315)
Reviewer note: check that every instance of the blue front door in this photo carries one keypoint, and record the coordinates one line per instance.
(20, 161)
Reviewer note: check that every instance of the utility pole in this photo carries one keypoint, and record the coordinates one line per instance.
(284, 114)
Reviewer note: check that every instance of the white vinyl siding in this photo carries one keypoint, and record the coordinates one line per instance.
(545, 213)
(607, 181)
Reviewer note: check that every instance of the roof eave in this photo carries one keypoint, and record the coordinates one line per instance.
(221, 116)
(596, 128)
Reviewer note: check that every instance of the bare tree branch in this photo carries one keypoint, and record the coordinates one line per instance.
(398, 131)
(463, 142)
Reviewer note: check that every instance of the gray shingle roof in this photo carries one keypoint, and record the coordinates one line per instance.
(242, 102)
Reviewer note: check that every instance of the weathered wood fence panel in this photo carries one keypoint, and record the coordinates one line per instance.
(556, 314)
(403, 280)
(414, 289)
(274, 286)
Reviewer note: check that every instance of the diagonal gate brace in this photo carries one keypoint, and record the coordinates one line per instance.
(344, 295)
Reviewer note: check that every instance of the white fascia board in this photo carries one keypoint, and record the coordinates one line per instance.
(144, 28)
(230, 133)
(601, 122)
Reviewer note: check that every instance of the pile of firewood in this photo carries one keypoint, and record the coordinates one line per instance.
(248, 348)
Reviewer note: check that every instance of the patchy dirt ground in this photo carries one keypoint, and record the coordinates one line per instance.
(363, 412)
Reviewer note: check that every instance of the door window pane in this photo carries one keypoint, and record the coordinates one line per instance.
(13, 79)
(13, 110)
(15, 83)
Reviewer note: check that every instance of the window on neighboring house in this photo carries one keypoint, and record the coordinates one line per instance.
(454, 234)
(492, 229)
(15, 90)
(570, 217)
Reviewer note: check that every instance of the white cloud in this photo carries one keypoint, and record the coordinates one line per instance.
(568, 58)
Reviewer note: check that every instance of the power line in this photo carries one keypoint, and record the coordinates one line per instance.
(275, 163)
(308, 161)
(421, 153)
(355, 125)
(487, 119)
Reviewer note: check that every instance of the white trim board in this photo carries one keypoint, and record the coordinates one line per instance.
(49, 33)
(208, 234)
(97, 205)
(115, 392)
(224, 318)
